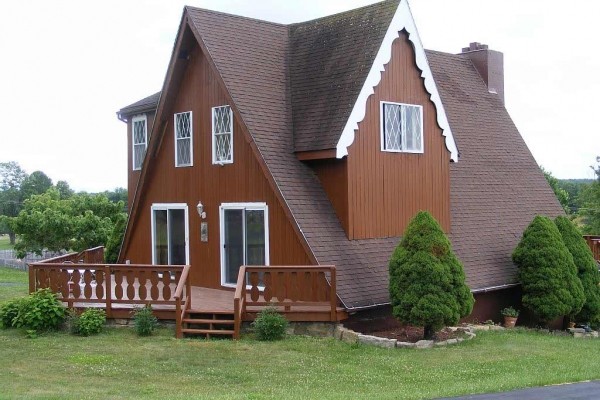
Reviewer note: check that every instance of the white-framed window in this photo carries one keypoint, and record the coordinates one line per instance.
(222, 135)
(139, 133)
(170, 234)
(184, 153)
(401, 127)
(244, 238)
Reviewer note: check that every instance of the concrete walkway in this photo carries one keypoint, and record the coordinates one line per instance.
(574, 391)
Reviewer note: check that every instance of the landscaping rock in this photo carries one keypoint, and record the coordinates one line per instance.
(424, 344)
(338, 332)
(469, 335)
(376, 341)
(442, 343)
(452, 341)
(406, 345)
(349, 336)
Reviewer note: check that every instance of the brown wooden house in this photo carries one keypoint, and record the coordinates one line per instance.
(315, 143)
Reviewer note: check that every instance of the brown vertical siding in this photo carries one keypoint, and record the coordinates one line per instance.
(333, 175)
(385, 190)
(242, 181)
(134, 176)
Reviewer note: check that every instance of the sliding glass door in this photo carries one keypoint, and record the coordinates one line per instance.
(170, 234)
(244, 238)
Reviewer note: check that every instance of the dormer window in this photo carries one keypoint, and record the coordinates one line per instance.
(222, 135)
(183, 139)
(139, 129)
(401, 128)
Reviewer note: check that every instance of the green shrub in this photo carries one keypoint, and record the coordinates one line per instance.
(509, 312)
(144, 320)
(89, 322)
(40, 311)
(73, 321)
(9, 311)
(587, 269)
(547, 272)
(269, 325)
(427, 281)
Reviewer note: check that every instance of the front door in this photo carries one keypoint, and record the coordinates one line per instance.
(244, 238)
(170, 232)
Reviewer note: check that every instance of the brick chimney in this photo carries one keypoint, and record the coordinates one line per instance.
(489, 64)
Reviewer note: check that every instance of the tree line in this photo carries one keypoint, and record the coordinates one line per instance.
(38, 215)
(580, 199)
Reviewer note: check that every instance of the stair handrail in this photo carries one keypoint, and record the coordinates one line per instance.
(239, 302)
(180, 296)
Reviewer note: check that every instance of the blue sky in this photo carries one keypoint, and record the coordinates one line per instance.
(68, 66)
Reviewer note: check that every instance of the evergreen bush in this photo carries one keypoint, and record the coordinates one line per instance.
(427, 281)
(144, 320)
(547, 272)
(270, 325)
(587, 269)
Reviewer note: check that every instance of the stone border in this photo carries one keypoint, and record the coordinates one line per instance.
(582, 333)
(351, 337)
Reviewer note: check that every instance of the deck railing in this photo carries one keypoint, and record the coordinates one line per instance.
(594, 242)
(183, 300)
(113, 286)
(284, 288)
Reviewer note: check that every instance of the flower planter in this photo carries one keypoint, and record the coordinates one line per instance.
(509, 322)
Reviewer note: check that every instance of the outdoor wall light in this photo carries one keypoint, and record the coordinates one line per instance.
(200, 208)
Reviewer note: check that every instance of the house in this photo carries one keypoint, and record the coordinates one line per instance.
(315, 143)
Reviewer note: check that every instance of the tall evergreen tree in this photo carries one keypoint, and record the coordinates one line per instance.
(587, 269)
(551, 287)
(427, 281)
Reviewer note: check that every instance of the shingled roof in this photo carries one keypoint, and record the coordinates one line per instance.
(280, 87)
(144, 105)
(330, 58)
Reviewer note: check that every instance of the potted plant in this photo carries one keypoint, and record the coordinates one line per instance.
(510, 317)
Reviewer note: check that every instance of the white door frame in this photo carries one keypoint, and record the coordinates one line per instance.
(167, 207)
(241, 206)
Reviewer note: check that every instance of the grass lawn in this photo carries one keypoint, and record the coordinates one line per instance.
(119, 365)
(13, 283)
(5, 243)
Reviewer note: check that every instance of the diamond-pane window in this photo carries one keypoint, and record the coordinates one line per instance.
(222, 133)
(402, 128)
(183, 139)
(140, 140)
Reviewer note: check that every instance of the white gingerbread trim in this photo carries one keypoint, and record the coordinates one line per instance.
(403, 20)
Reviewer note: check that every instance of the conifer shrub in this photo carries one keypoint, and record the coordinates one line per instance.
(144, 320)
(269, 325)
(427, 281)
(587, 269)
(547, 272)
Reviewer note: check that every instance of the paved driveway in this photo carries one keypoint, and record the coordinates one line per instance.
(574, 391)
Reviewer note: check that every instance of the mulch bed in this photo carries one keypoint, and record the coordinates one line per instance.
(389, 327)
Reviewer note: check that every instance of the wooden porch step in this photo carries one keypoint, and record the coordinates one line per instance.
(207, 331)
(208, 321)
(196, 311)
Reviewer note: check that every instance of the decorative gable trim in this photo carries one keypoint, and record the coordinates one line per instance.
(403, 20)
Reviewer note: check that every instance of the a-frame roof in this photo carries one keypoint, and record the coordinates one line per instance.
(496, 188)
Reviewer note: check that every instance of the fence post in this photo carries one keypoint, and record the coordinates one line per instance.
(108, 290)
(31, 268)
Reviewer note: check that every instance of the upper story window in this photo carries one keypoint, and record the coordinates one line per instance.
(222, 135)
(183, 139)
(139, 129)
(401, 127)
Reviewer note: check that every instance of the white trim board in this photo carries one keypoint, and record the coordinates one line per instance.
(241, 206)
(402, 20)
(167, 207)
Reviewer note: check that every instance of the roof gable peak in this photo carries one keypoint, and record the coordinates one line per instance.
(402, 20)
